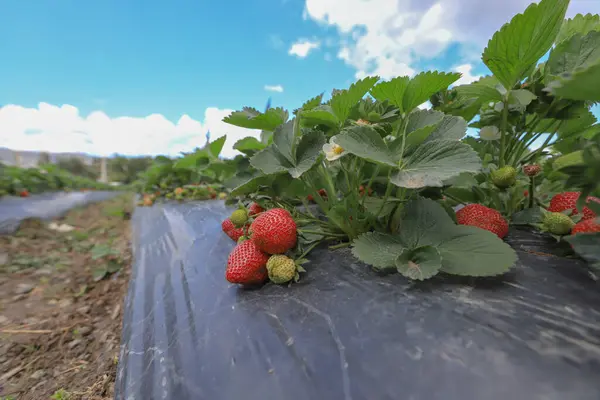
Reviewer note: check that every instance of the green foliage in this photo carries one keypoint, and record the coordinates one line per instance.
(514, 50)
(431, 242)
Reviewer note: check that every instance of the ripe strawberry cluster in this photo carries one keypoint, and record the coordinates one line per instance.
(557, 220)
(263, 237)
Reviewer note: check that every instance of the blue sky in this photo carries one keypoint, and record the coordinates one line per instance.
(138, 58)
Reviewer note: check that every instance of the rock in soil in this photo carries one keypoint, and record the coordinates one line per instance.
(24, 288)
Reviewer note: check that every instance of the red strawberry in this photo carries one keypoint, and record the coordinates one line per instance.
(568, 201)
(274, 231)
(484, 218)
(24, 193)
(322, 193)
(247, 265)
(525, 193)
(586, 226)
(254, 209)
(532, 170)
(361, 190)
(231, 231)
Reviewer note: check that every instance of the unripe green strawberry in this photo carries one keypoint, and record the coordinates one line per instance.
(504, 177)
(374, 116)
(281, 269)
(558, 223)
(239, 217)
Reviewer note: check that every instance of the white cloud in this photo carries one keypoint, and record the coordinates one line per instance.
(387, 37)
(303, 47)
(466, 77)
(274, 88)
(62, 129)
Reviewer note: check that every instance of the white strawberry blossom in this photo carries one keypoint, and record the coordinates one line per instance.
(332, 150)
(489, 133)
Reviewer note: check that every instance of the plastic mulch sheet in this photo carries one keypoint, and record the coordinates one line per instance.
(13, 210)
(344, 332)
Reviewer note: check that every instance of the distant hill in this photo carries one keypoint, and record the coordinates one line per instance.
(31, 158)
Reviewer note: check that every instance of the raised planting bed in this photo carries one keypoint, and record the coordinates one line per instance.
(13, 210)
(346, 332)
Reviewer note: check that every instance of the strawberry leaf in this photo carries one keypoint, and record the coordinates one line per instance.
(252, 119)
(377, 249)
(420, 125)
(249, 145)
(425, 222)
(580, 24)
(514, 50)
(312, 103)
(582, 84)
(424, 85)
(451, 128)
(572, 54)
(392, 91)
(216, 146)
(343, 100)
(284, 139)
(420, 263)
(587, 245)
(472, 251)
(272, 160)
(252, 184)
(484, 90)
(365, 142)
(434, 162)
(321, 115)
(528, 216)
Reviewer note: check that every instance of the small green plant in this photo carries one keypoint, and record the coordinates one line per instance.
(61, 394)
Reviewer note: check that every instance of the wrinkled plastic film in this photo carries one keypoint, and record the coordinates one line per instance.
(13, 210)
(345, 332)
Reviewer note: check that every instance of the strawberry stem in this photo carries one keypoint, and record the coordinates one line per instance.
(340, 245)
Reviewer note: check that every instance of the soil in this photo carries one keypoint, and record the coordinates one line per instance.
(61, 296)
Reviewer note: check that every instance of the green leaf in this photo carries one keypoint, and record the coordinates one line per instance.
(253, 119)
(320, 115)
(193, 160)
(216, 146)
(451, 128)
(420, 125)
(572, 54)
(580, 24)
(365, 142)
(374, 204)
(521, 97)
(308, 152)
(379, 250)
(434, 162)
(312, 103)
(484, 90)
(249, 145)
(425, 223)
(270, 161)
(587, 245)
(284, 139)
(582, 84)
(343, 101)
(514, 50)
(420, 263)
(528, 216)
(473, 251)
(392, 91)
(424, 85)
(251, 184)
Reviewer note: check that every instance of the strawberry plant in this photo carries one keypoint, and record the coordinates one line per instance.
(368, 169)
(197, 175)
(528, 112)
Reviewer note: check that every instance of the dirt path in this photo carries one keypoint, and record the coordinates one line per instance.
(61, 296)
